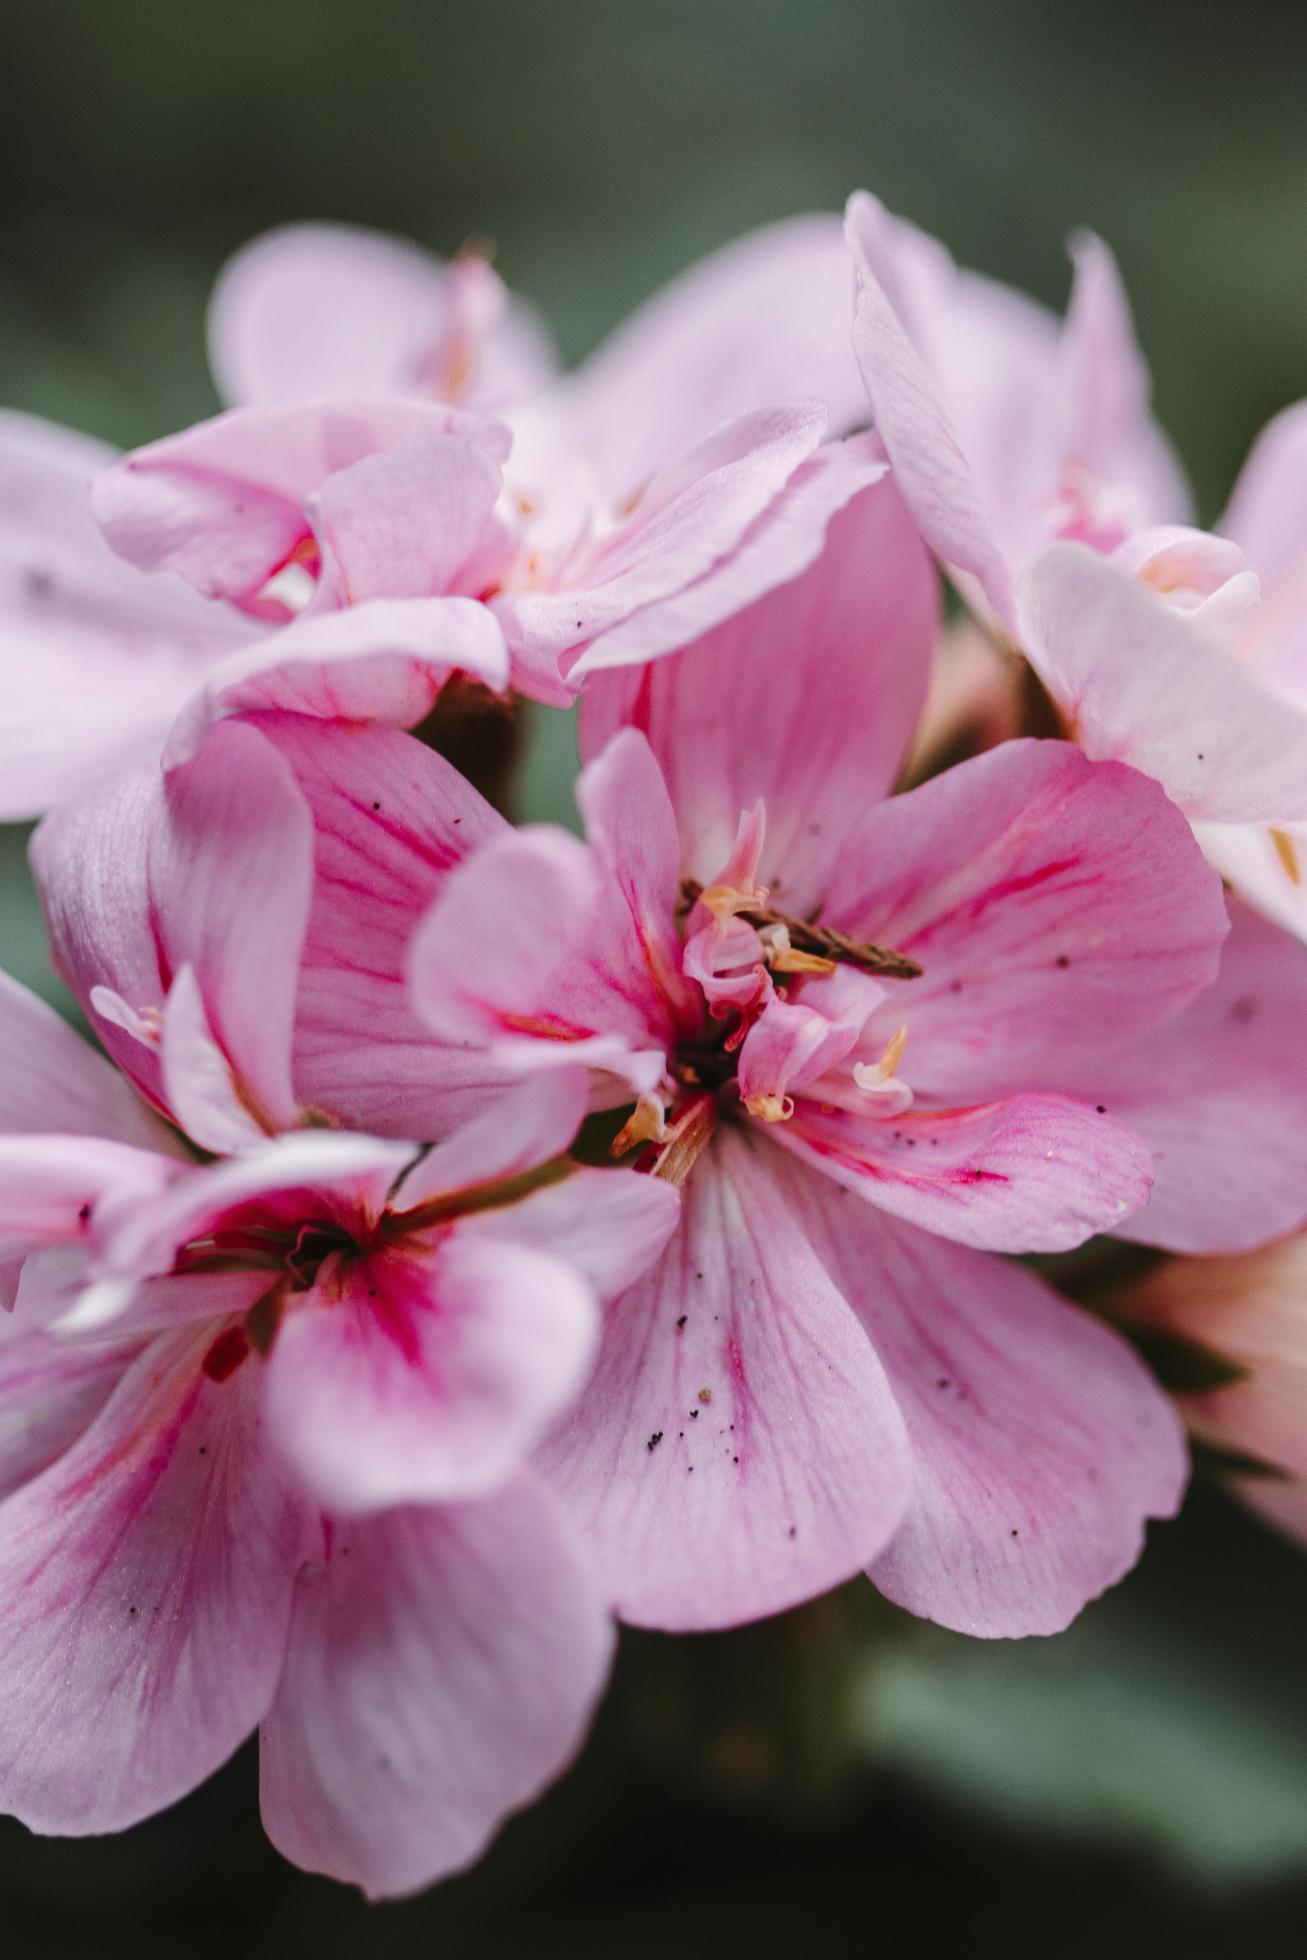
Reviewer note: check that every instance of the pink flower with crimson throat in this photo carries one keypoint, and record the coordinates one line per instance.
(875, 1046)
(264, 1440)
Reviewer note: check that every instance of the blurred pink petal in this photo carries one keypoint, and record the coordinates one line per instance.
(1142, 683)
(314, 310)
(442, 1667)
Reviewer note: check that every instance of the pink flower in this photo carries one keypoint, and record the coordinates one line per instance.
(1029, 460)
(1004, 431)
(349, 520)
(306, 312)
(270, 1467)
(353, 521)
(829, 1369)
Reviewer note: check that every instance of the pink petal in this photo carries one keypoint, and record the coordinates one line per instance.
(524, 953)
(391, 820)
(50, 1186)
(738, 1449)
(199, 1088)
(933, 472)
(1262, 513)
(1040, 1443)
(693, 356)
(1034, 1173)
(1103, 392)
(792, 1043)
(50, 1392)
(807, 699)
(441, 1670)
(306, 312)
(779, 545)
(405, 524)
(146, 1579)
(1144, 684)
(231, 875)
(414, 1378)
(1219, 1095)
(1267, 865)
(385, 660)
(1263, 518)
(631, 824)
(52, 1080)
(97, 659)
(608, 1224)
(1055, 905)
(692, 516)
(224, 503)
(209, 866)
(522, 1128)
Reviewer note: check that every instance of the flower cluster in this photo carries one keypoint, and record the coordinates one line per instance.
(473, 1233)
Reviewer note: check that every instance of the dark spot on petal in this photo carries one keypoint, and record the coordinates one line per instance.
(684, 1317)
(654, 1440)
(83, 1212)
(1063, 961)
(943, 1382)
(1101, 1108)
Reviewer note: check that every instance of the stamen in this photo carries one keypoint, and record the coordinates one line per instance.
(825, 942)
(772, 1109)
(870, 1075)
(784, 957)
(1287, 852)
(645, 1124)
(685, 1139)
(724, 901)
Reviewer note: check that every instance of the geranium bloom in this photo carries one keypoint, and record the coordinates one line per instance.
(305, 312)
(273, 1470)
(1033, 469)
(354, 522)
(318, 513)
(828, 1368)
(1006, 431)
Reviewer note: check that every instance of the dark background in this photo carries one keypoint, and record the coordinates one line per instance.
(841, 1776)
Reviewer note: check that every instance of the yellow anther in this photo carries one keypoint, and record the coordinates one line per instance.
(772, 1109)
(782, 957)
(1287, 852)
(643, 1125)
(870, 1075)
(724, 901)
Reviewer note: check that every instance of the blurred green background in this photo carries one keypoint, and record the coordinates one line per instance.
(842, 1775)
